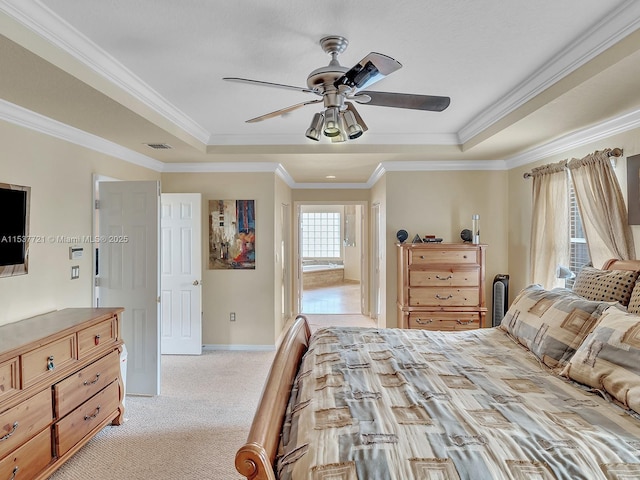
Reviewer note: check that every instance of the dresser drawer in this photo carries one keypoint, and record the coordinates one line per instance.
(444, 297)
(74, 390)
(40, 363)
(452, 277)
(97, 337)
(28, 460)
(23, 421)
(444, 320)
(75, 426)
(9, 378)
(442, 255)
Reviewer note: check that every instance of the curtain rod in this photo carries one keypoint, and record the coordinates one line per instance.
(615, 152)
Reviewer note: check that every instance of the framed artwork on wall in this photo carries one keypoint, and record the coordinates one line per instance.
(232, 235)
(633, 189)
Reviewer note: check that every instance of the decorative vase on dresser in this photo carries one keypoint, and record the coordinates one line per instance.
(60, 384)
(441, 286)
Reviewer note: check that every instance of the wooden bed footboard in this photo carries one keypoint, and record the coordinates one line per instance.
(256, 457)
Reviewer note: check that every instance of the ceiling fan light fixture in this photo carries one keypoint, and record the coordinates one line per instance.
(354, 130)
(331, 122)
(315, 129)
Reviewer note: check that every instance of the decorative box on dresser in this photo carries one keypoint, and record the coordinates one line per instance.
(60, 384)
(441, 286)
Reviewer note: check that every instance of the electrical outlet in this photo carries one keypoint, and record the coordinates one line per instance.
(75, 272)
(232, 316)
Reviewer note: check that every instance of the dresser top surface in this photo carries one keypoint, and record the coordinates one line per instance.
(41, 327)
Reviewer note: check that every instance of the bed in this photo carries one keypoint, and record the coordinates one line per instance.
(552, 393)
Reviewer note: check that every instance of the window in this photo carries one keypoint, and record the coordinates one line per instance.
(579, 251)
(321, 234)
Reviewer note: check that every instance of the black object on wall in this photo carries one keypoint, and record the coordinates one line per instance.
(500, 298)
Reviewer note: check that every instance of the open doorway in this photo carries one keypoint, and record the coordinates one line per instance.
(331, 258)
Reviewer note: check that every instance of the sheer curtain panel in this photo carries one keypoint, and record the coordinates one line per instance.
(549, 224)
(602, 208)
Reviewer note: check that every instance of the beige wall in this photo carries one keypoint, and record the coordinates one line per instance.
(248, 293)
(519, 214)
(60, 175)
(438, 203)
(441, 204)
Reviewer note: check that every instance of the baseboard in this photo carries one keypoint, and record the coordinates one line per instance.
(251, 348)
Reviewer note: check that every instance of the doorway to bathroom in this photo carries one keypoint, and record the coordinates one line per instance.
(332, 271)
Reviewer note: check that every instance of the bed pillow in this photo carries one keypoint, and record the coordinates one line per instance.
(634, 302)
(605, 285)
(609, 358)
(552, 323)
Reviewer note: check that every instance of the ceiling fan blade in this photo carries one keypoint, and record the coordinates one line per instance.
(270, 84)
(359, 119)
(282, 111)
(370, 69)
(403, 100)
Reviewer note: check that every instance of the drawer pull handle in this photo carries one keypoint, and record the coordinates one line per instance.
(448, 277)
(89, 417)
(460, 322)
(50, 364)
(87, 382)
(15, 470)
(96, 340)
(424, 322)
(13, 430)
(443, 298)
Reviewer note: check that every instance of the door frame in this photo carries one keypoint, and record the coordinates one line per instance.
(364, 255)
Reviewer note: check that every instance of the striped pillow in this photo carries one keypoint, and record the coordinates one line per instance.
(605, 285)
(551, 323)
(609, 358)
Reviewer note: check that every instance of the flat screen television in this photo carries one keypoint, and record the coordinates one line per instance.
(14, 229)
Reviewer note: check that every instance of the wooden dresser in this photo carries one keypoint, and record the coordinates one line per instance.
(441, 286)
(60, 384)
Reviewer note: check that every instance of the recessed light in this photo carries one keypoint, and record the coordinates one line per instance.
(330, 176)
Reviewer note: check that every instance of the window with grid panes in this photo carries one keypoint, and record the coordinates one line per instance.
(321, 234)
(579, 253)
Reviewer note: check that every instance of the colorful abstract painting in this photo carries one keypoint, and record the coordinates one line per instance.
(232, 235)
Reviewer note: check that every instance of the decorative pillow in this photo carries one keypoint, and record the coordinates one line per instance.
(634, 303)
(609, 358)
(551, 323)
(605, 285)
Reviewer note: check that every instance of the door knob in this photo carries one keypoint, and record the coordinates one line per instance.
(196, 283)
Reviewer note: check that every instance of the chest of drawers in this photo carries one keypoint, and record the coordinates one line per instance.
(441, 286)
(60, 384)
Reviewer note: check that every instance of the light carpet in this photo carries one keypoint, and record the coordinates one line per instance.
(191, 431)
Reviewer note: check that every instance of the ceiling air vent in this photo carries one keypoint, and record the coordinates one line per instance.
(159, 146)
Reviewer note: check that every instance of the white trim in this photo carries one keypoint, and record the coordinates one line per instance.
(603, 130)
(250, 348)
(20, 116)
(611, 29)
(42, 21)
(34, 121)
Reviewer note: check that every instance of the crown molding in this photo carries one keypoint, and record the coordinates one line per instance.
(610, 30)
(39, 19)
(20, 116)
(595, 133)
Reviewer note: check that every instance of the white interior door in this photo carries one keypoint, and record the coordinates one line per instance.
(128, 274)
(181, 277)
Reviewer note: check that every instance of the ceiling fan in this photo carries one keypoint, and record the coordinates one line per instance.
(339, 87)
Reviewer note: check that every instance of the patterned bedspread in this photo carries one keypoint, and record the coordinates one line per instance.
(396, 404)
